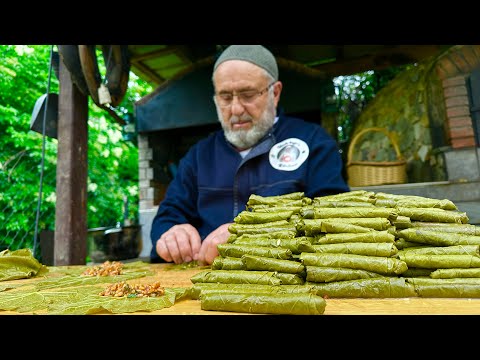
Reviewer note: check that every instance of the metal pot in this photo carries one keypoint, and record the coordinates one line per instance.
(115, 243)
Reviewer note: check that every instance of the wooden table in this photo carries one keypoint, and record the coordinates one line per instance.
(397, 306)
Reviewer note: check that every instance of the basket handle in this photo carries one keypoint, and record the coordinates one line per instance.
(383, 130)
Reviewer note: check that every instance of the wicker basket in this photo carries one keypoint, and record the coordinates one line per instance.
(367, 173)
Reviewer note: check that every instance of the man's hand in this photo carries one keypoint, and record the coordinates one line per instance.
(208, 250)
(181, 243)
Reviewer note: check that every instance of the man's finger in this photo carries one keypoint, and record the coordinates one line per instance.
(195, 243)
(172, 246)
(162, 250)
(184, 244)
(211, 253)
(201, 253)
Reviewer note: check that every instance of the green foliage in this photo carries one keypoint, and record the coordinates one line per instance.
(354, 92)
(112, 161)
(23, 78)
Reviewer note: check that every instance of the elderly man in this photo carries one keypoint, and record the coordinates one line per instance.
(258, 151)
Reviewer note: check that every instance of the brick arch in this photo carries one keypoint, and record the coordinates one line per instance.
(459, 60)
(453, 68)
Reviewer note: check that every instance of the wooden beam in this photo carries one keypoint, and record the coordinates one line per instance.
(70, 241)
(147, 71)
(153, 54)
(377, 59)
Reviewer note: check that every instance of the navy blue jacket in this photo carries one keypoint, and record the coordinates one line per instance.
(213, 182)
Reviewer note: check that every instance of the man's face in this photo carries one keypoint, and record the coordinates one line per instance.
(246, 102)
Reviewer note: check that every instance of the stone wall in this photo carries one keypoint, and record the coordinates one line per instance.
(402, 108)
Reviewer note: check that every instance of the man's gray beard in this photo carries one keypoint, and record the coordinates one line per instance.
(245, 139)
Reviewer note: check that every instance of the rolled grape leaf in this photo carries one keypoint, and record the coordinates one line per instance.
(278, 289)
(402, 222)
(455, 273)
(235, 228)
(329, 274)
(372, 223)
(444, 204)
(447, 288)
(254, 229)
(337, 204)
(250, 217)
(273, 209)
(291, 304)
(367, 196)
(401, 244)
(231, 238)
(376, 223)
(304, 246)
(416, 272)
(227, 263)
(307, 212)
(382, 287)
(314, 226)
(296, 245)
(414, 201)
(377, 264)
(433, 215)
(357, 212)
(199, 288)
(288, 234)
(285, 204)
(389, 203)
(437, 238)
(19, 264)
(368, 237)
(392, 230)
(252, 262)
(290, 279)
(272, 200)
(363, 199)
(360, 248)
(402, 197)
(341, 227)
(310, 239)
(233, 250)
(439, 261)
(467, 229)
(296, 220)
(236, 277)
(444, 250)
(437, 281)
(459, 290)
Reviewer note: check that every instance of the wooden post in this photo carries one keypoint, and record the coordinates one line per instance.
(70, 241)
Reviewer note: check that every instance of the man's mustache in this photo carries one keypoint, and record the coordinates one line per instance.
(236, 119)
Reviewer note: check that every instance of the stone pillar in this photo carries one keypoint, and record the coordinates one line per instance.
(145, 173)
(146, 193)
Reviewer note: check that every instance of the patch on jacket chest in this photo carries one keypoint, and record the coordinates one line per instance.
(289, 154)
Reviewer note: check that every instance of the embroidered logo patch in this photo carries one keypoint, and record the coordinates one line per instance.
(289, 154)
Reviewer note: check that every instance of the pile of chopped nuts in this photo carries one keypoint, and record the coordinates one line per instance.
(106, 269)
(140, 290)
